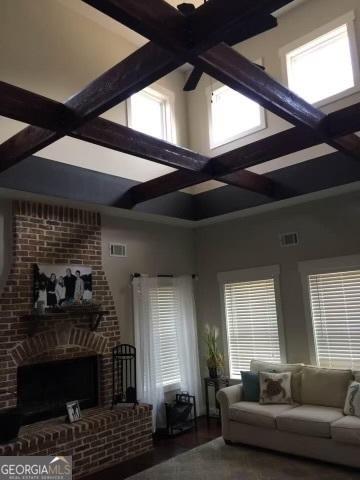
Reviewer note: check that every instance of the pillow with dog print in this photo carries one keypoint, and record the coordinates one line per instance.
(352, 402)
(275, 388)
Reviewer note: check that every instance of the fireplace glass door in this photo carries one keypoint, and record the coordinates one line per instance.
(44, 388)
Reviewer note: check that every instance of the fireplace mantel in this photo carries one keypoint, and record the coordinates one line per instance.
(94, 318)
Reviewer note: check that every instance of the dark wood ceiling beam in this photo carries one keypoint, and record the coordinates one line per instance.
(219, 19)
(231, 68)
(344, 121)
(24, 106)
(165, 184)
(140, 69)
(208, 25)
(225, 167)
(135, 72)
(153, 19)
(214, 20)
(123, 139)
(268, 148)
(179, 180)
(258, 184)
(251, 28)
(236, 71)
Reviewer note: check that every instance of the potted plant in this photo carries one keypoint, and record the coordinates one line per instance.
(215, 359)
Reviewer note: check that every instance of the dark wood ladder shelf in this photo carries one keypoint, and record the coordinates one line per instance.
(94, 316)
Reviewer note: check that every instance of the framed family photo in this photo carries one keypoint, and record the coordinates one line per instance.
(73, 411)
(61, 285)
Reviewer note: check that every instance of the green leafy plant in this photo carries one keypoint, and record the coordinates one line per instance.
(215, 359)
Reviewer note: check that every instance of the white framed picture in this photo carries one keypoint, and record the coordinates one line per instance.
(57, 286)
(73, 410)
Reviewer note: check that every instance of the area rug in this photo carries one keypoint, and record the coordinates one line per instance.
(217, 461)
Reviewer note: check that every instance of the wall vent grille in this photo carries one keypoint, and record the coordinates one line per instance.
(118, 250)
(289, 239)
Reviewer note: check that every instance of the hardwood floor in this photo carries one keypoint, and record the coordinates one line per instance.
(165, 448)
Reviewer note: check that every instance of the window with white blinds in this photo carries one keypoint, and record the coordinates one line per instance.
(251, 323)
(163, 307)
(335, 309)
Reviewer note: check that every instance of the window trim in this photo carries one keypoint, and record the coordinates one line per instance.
(214, 145)
(248, 275)
(313, 267)
(347, 19)
(168, 99)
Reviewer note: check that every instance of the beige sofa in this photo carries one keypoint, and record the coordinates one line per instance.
(313, 427)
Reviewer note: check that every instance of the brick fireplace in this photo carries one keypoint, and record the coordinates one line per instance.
(61, 235)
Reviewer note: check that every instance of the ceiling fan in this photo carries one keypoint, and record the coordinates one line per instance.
(239, 33)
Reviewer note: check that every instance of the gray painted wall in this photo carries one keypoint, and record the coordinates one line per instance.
(151, 248)
(327, 228)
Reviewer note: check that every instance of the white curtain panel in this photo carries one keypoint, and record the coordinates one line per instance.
(146, 319)
(148, 363)
(188, 339)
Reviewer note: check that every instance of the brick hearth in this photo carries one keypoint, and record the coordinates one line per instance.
(103, 437)
(61, 235)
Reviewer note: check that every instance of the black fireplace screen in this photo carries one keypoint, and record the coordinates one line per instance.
(44, 388)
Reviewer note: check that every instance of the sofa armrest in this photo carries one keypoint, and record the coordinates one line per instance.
(226, 397)
(229, 395)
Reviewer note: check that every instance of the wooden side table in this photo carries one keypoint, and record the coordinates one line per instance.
(217, 383)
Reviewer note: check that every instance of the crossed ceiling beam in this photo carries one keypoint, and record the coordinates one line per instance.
(195, 39)
(195, 168)
(25, 106)
(137, 71)
(229, 67)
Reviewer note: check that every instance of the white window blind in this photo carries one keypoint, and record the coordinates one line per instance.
(163, 307)
(251, 323)
(335, 308)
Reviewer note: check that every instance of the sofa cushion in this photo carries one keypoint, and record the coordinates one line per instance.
(258, 366)
(311, 420)
(346, 430)
(251, 386)
(324, 386)
(255, 414)
(275, 388)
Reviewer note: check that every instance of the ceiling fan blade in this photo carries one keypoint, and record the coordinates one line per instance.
(253, 27)
(193, 80)
(259, 66)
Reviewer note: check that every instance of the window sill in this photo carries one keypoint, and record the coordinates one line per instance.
(172, 387)
(240, 136)
(337, 97)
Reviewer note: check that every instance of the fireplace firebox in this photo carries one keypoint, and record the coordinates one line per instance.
(44, 388)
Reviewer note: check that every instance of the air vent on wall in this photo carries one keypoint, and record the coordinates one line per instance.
(117, 250)
(289, 239)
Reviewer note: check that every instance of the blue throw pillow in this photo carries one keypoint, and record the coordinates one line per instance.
(251, 386)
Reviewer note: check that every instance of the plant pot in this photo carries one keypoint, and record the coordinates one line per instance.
(10, 423)
(214, 372)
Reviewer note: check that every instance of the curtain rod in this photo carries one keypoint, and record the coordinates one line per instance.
(137, 275)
